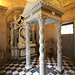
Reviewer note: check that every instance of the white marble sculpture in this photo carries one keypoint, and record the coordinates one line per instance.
(18, 48)
(34, 13)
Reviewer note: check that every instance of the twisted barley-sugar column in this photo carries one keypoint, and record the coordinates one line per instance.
(59, 47)
(41, 48)
(27, 46)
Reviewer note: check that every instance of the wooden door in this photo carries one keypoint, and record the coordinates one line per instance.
(68, 42)
(67, 45)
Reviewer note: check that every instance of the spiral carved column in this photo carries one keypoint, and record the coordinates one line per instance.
(59, 47)
(27, 46)
(41, 48)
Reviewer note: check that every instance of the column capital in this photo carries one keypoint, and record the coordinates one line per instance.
(42, 17)
(59, 21)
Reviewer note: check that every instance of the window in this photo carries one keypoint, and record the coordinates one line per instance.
(67, 29)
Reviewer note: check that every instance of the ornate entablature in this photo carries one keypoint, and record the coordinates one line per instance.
(49, 8)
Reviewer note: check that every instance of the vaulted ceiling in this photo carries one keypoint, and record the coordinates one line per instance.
(63, 2)
(66, 2)
(9, 3)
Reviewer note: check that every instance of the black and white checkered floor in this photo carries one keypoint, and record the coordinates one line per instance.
(18, 67)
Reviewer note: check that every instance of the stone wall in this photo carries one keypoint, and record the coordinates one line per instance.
(69, 15)
(50, 37)
(50, 32)
(3, 40)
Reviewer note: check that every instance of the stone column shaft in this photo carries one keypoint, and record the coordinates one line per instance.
(59, 47)
(27, 47)
(41, 48)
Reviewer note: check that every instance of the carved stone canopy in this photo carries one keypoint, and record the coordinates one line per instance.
(51, 9)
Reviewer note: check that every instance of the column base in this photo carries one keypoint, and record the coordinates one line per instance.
(28, 67)
(59, 70)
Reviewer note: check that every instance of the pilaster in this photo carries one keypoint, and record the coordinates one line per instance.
(27, 46)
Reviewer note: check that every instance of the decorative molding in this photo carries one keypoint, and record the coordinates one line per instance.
(39, 4)
(3, 8)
